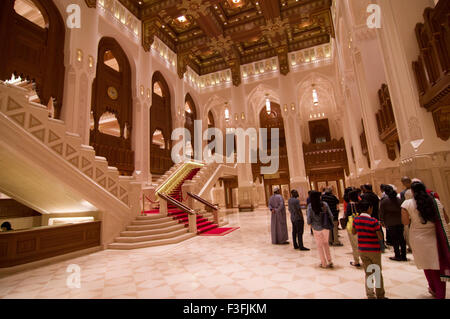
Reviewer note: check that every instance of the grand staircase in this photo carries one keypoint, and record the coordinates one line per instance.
(154, 229)
(48, 168)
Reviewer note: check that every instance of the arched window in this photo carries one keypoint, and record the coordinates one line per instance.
(112, 107)
(109, 125)
(160, 126)
(32, 35)
(190, 115)
(29, 10)
(158, 139)
(157, 89)
(111, 61)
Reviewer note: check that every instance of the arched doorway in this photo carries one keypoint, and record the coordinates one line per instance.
(32, 36)
(160, 126)
(112, 107)
(281, 178)
(190, 115)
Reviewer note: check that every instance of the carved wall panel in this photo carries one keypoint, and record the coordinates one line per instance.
(160, 119)
(387, 129)
(32, 52)
(273, 120)
(111, 92)
(433, 65)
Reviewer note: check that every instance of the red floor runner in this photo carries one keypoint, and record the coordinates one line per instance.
(220, 231)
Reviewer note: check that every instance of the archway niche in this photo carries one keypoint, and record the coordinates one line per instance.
(112, 107)
(32, 35)
(190, 115)
(281, 178)
(161, 121)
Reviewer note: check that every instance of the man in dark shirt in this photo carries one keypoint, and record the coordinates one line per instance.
(372, 198)
(297, 220)
(333, 203)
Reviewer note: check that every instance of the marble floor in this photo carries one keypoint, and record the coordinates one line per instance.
(242, 264)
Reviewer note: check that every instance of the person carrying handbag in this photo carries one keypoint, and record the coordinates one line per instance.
(350, 214)
(320, 218)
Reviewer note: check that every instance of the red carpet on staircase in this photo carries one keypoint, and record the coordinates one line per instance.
(203, 224)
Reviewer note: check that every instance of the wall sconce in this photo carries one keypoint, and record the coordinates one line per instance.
(268, 109)
(285, 108)
(91, 61)
(236, 116)
(227, 112)
(315, 96)
(292, 106)
(79, 55)
(142, 90)
(242, 116)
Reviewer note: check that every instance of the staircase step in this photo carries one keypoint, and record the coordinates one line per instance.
(206, 228)
(153, 226)
(203, 224)
(136, 233)
(157, 221)
(151, 237)
(151, 243)
(149, 217)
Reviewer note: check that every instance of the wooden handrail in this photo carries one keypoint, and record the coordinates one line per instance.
(204, 201)
(178, 204)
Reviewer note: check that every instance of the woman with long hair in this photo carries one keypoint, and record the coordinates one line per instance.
(351, 213)
(429, 237)
(391, 218)
(320, 218)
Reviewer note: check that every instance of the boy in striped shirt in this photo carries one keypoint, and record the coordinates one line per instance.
(369, 237)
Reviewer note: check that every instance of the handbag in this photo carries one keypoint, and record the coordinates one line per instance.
(343, 222)
(327, 223)
(351, 218)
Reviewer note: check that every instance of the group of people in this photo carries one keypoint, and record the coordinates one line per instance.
(414, 221)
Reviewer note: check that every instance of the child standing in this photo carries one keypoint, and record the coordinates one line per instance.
(369, 236)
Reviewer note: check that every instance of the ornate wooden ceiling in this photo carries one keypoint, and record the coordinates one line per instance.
(212, 35)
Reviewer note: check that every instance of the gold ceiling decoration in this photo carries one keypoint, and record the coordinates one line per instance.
(214, 35)
(221, 44)
(193, 8)
(275, 27)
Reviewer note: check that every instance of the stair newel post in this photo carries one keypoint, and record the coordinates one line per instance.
(185, 188)
(192, 218)
(163, 207)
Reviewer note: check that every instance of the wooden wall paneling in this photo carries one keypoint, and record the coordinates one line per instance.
(24, 246)
(432, 67)
(32, 52)
(117, 150)
(161, 119)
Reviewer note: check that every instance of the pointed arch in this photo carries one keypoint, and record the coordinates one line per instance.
(111, 93)
(43, 62)
(160, 120)
(190, 115)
